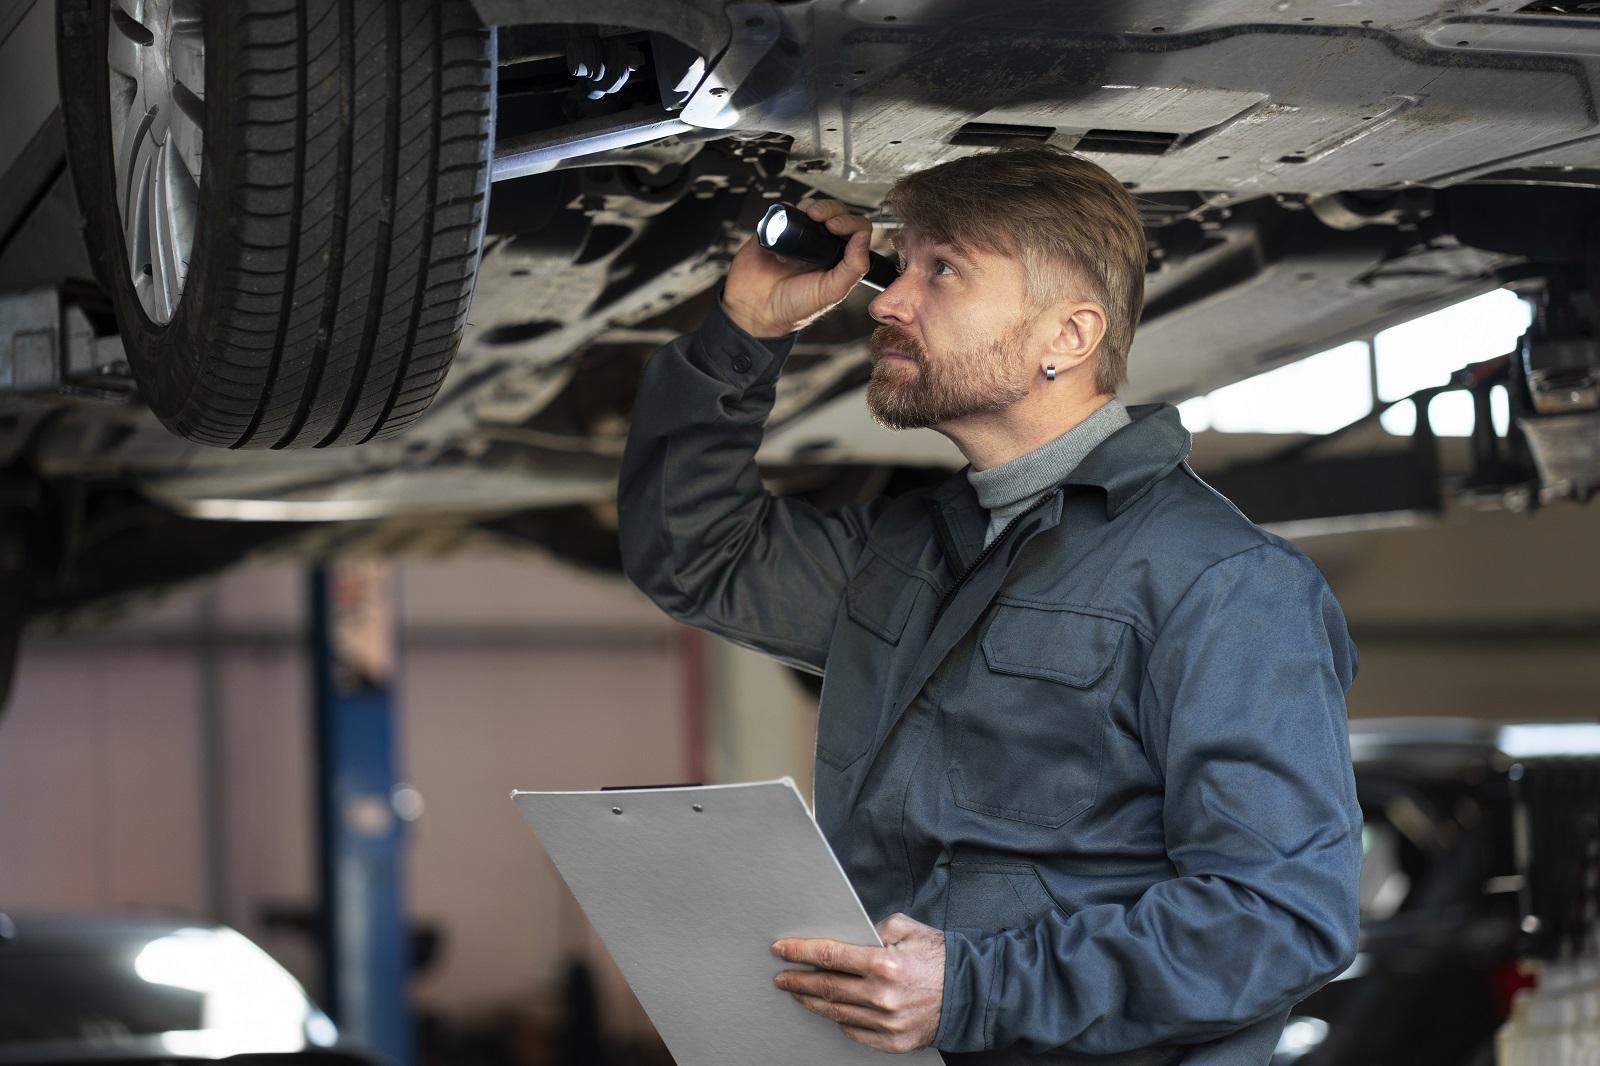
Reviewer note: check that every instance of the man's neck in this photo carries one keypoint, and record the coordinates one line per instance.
(1001, 436)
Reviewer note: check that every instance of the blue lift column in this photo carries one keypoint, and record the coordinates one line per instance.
(354, 635)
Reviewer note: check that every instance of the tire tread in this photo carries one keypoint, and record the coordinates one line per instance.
(343, 275)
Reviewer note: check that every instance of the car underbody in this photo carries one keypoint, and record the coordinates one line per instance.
(1308, 173)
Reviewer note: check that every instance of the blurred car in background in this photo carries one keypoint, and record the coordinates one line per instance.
(1481, 878)
(114, 989)
(1480, 885)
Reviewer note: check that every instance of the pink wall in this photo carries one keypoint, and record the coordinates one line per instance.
(515, 674)
(98, 785)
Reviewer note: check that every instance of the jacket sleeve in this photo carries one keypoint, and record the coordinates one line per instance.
(1243, 713)
(700, 535)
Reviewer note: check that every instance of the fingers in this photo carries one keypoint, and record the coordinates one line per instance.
(836, 215)
(897, 1043)
(846, 1014)
(841, 222)
(888, 998)
(828, 954)
(830, 986)
(822, 210)
(863, 1026)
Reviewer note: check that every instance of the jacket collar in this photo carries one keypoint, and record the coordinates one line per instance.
(1124, 466)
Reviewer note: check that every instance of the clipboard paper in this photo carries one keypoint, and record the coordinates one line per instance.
(688, 888)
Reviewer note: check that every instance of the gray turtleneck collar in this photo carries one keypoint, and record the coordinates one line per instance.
(1005, 491)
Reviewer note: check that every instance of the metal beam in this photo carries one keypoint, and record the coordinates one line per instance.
(547, 150)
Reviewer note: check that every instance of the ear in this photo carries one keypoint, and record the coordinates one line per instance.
(1081, 325)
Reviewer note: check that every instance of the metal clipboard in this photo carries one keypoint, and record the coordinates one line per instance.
(688, 887)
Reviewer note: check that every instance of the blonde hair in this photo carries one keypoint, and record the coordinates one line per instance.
(1071, 223)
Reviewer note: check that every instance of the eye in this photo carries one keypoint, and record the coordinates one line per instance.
(940, 266)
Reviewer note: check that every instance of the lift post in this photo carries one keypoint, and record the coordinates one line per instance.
(365, 947)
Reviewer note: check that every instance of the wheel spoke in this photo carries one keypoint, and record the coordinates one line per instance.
(144, 289)
(186, 13)
(187, 136)
(163, 242)
(121, 118)
(136, 209)
(136, 10)
(188, 53)
(183, 206)
(130, 149)
(156, 54)
(125, 55)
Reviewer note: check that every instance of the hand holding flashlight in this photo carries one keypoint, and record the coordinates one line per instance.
(791, 233)
(773, 293)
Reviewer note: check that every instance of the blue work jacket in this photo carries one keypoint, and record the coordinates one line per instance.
(1107, 754)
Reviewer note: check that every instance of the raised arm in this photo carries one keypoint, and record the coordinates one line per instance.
(700, 534)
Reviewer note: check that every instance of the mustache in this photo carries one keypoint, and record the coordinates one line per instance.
(892, 338)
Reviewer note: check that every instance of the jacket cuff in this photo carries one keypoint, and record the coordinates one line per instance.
(735, 357)
(966, 1018)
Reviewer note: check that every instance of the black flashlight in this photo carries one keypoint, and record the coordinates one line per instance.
(793, 234)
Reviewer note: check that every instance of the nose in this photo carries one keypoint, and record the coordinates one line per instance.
(894, 304)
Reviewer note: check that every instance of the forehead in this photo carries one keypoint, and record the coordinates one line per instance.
(982, 260)
(909, 239)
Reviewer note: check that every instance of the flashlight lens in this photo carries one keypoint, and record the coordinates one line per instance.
(774, 224)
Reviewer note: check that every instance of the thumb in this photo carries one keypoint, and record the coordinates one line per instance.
(853, 266)
(896, 928)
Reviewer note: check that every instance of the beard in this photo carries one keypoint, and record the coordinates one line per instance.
(984, 379)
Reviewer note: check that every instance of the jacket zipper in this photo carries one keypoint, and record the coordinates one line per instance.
(988, 549)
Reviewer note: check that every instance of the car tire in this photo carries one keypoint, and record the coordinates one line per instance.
(337, 217)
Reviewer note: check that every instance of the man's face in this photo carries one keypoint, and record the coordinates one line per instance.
(952, 339)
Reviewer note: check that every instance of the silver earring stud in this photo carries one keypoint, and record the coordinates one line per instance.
(1049, 371)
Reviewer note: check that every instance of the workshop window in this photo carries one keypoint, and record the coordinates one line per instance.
(1322, 392)
(1317, 394)
(1427, 350)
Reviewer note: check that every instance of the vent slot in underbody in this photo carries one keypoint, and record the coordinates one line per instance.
(994, 134)
(1127, 142)
(1561, 7)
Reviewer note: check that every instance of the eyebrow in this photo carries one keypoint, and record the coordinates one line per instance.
(955, 251)
(943, 248)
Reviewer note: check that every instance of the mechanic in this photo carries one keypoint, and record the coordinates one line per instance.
(1082, 742)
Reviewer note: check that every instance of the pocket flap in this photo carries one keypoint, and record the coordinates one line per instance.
(988, 897)
(1052, 643)
(880, 597)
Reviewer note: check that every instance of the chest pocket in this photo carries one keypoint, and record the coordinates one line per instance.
(880, 597)
(878, 602)
(1028, 729)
